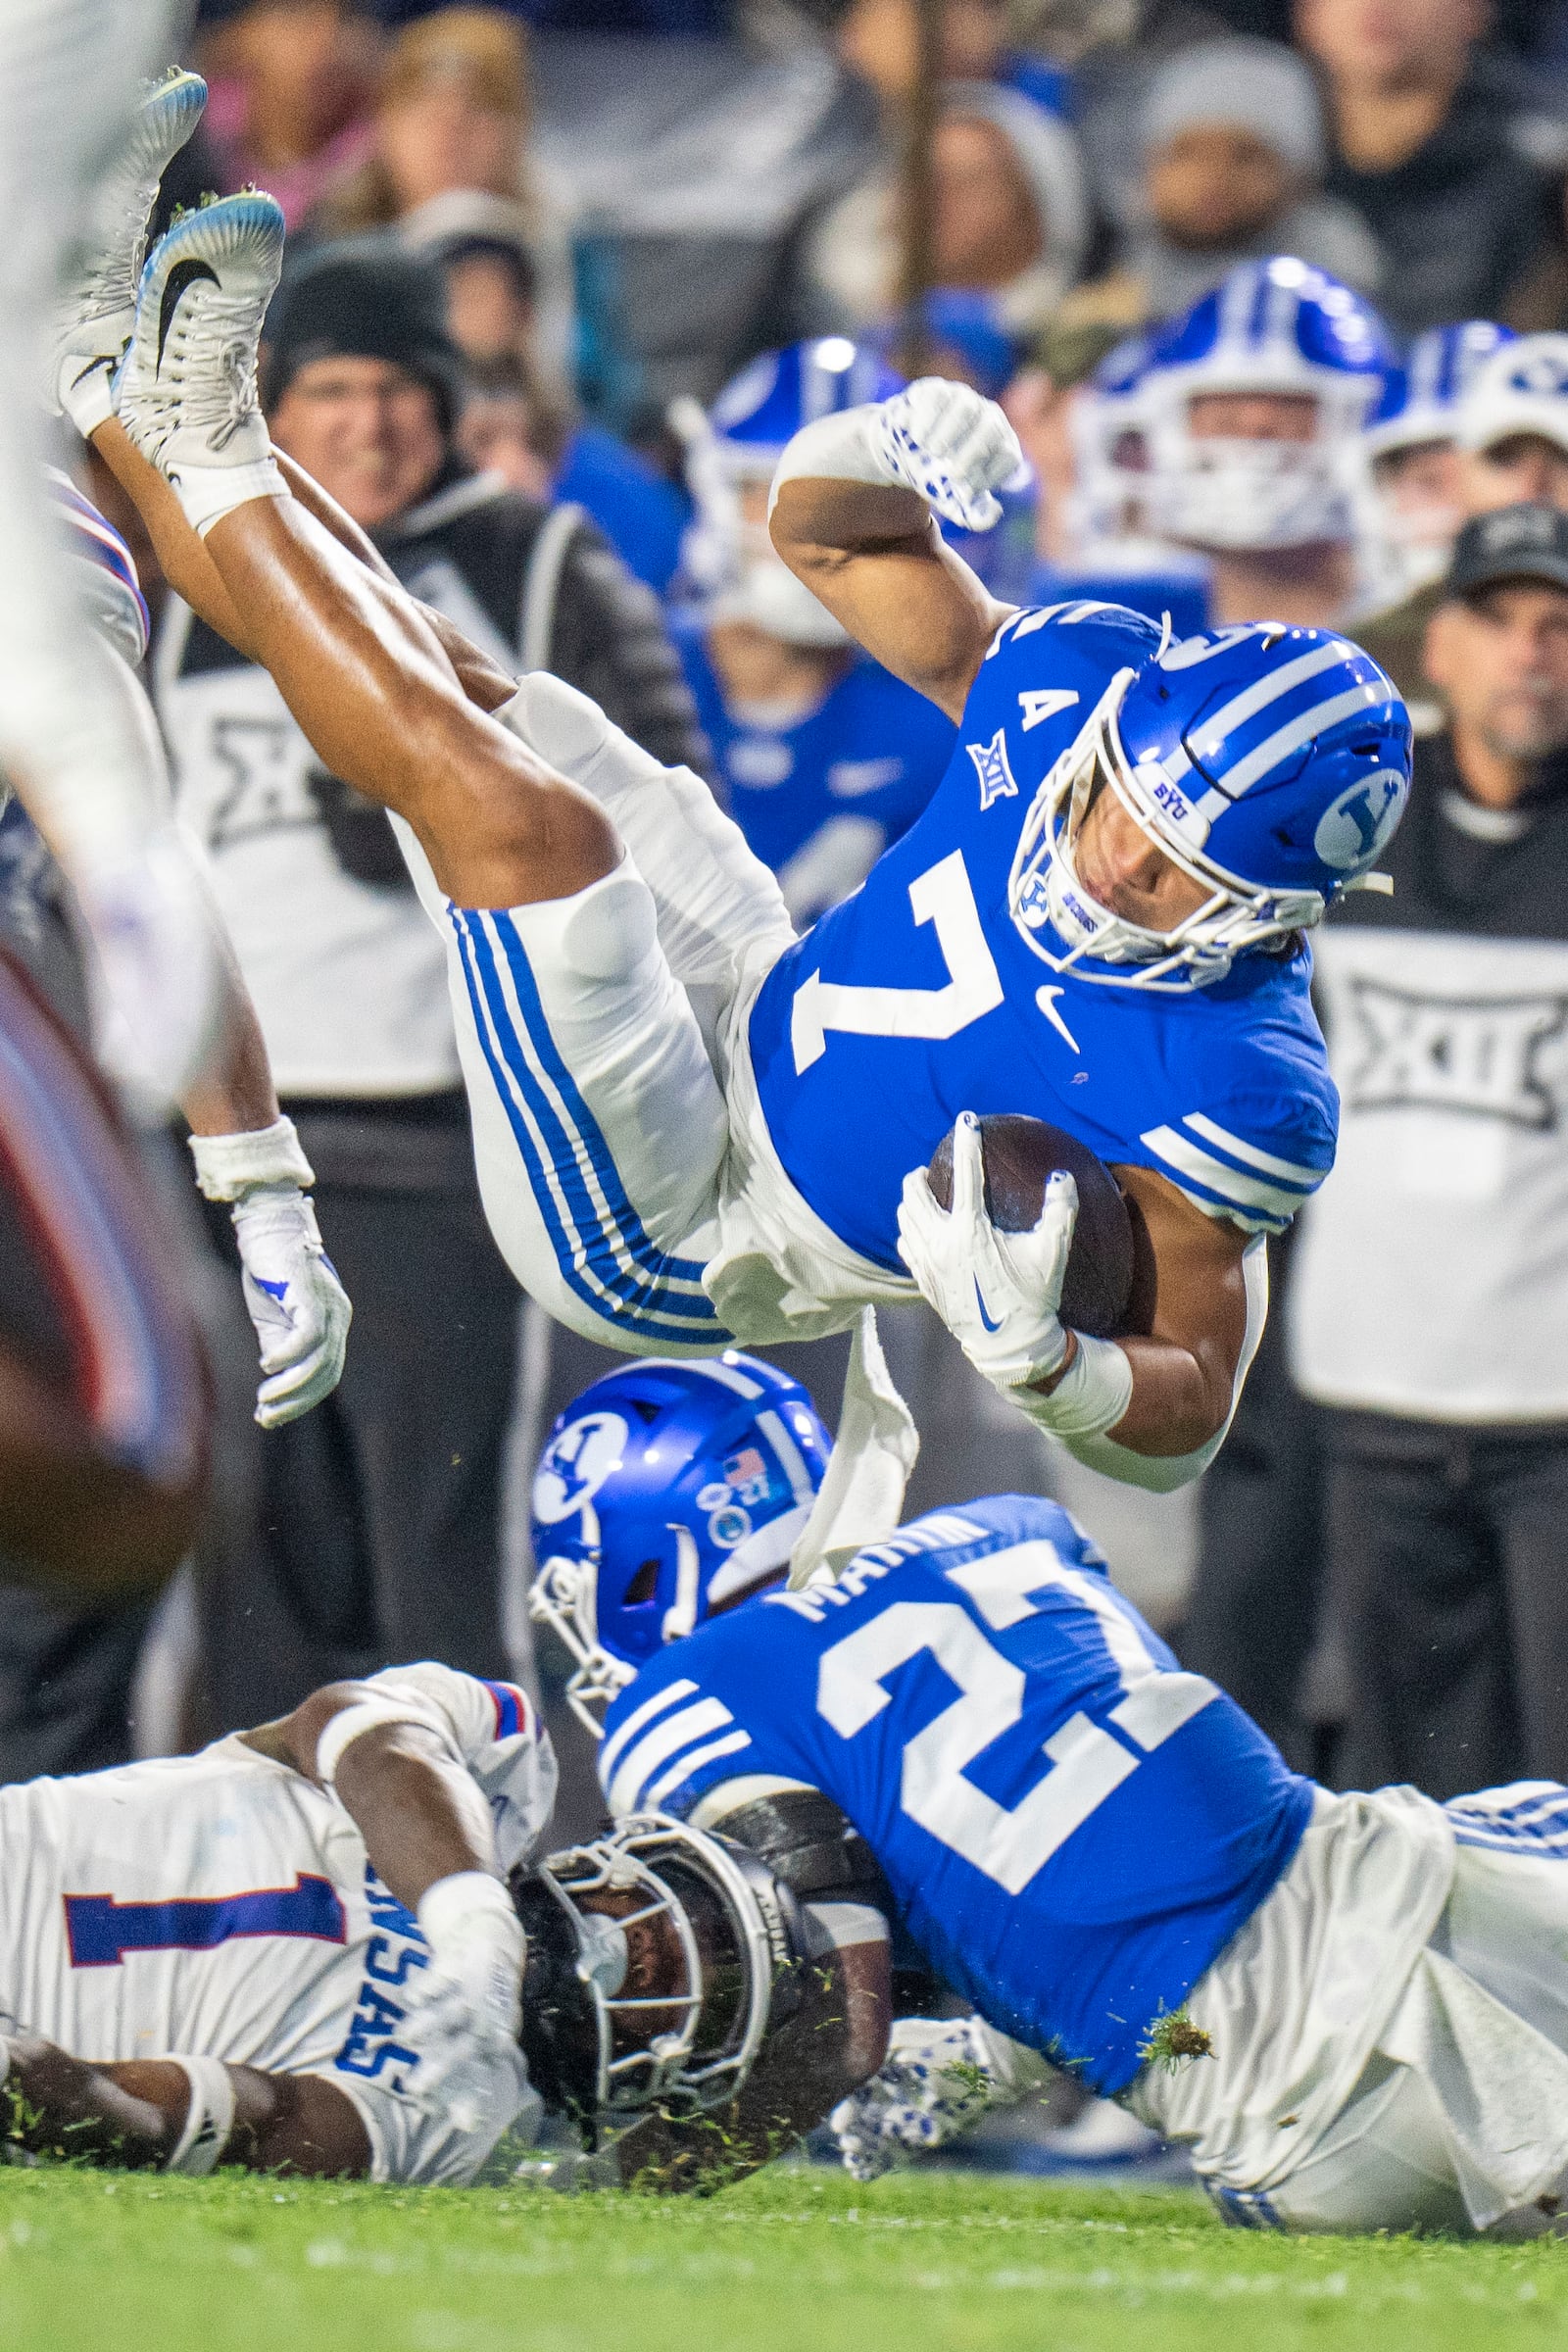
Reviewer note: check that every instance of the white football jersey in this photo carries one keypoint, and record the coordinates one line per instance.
(222, 1905)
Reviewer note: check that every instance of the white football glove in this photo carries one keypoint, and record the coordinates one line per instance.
(466, 2008)
(998, 1294)
(936, 2081)
(951, 446)
(299, 1308)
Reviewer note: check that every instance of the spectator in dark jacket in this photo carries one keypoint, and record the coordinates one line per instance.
(1428, 150)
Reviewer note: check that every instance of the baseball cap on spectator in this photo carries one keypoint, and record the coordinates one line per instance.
(1523, 389)
(366, 298)
(1527, 543)
(1243, 85)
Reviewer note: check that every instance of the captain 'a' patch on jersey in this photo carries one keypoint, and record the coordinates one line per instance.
(921, 998)
(222, 1905)
(1072, 1826)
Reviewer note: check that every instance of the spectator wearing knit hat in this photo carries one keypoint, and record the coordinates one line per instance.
(1233, 159)
(1010, 215)
(380, 1531)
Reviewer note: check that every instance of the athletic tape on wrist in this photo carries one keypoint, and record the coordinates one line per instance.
(842, 448)
(341, 1730)
(229, 1166)
(210, 2119)
(1090, 1398)
(463, 1895)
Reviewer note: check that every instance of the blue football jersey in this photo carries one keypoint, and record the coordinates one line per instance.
(1071, 1827)
(819, 801)
(921, 998)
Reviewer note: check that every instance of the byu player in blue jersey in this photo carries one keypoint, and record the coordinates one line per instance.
(824, 758)
(1354, 2008)
(688, 1124)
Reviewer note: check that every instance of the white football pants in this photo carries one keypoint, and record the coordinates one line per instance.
(589, 1031)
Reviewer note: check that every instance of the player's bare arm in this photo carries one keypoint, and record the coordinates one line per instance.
(414, 1804)
(134, 2114)
(1193, 1305)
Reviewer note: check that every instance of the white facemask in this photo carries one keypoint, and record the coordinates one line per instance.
(1225, 494)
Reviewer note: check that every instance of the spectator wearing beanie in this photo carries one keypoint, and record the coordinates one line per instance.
(1010, 214)
(378, 1532)
(1233, 158)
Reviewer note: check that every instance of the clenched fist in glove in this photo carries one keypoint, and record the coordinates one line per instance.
(950, 445)
(943, 441)
(465, 2008)
(297, 1306)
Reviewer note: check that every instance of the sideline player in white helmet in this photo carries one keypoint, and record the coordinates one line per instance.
(1253, 403)
(323, 1946)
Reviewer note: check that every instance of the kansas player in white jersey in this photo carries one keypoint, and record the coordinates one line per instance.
(1355, 2009)
(666, 1089)
(323, 1946)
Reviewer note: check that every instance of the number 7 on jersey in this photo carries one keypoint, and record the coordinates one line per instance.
(943, 897)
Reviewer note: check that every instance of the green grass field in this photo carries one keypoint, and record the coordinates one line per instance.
(796, 2261)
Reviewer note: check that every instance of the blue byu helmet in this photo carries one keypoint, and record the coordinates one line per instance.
(728, 558)
(1409, 441)
(1271, 327)
(1269, 763)
(667, 1491)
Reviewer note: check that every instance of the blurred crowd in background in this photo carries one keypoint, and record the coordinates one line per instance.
(1275, 293)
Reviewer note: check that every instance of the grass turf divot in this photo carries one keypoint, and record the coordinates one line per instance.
(796, 2261)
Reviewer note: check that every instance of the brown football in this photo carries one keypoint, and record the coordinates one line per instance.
(1020, 1155)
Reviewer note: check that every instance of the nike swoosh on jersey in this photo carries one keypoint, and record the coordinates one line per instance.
(980, 1301)
(177, 285)
(1046, 999)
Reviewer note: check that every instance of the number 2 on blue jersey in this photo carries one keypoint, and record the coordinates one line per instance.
(1087, 1760)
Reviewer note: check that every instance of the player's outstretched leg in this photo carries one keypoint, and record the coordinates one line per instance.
(599, 1125)
(355, 662)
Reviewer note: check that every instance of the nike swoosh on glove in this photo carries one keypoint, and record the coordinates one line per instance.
(950, 445)
(465, 2008)
(998, 1294)
(299, 1308)
(936, 2081)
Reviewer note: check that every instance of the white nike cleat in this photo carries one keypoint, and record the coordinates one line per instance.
(94, 321)
(186, 393)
